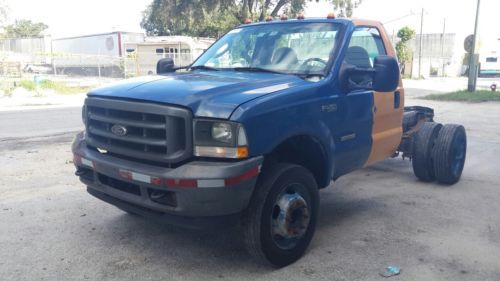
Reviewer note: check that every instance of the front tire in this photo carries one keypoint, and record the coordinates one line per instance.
(281, 218)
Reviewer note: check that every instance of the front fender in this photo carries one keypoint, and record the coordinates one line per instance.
(271, 120)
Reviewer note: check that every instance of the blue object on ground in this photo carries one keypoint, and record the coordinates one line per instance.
(391, 271)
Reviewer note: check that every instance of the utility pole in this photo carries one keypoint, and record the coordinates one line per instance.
(420, 44)
(442, 47)
(471, 84)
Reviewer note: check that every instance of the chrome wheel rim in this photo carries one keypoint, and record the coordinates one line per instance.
(290, 217)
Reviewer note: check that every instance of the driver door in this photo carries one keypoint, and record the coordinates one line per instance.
(367, 117)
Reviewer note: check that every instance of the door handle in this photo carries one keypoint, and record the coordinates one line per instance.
(397, 99)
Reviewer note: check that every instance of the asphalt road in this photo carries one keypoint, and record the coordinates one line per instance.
(39, 122)
(58, 121)
(51, 229)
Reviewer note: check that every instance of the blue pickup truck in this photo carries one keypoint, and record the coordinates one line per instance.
(248, 133)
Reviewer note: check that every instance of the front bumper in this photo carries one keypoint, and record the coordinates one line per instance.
(213, 199)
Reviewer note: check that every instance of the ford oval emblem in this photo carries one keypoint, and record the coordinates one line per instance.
(119, 130)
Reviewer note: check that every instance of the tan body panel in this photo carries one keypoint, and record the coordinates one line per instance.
(387, 121)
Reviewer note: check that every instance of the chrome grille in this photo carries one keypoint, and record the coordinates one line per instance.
(151, 132)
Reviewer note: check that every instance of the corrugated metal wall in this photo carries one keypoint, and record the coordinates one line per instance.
(441, 55)
(26, 45)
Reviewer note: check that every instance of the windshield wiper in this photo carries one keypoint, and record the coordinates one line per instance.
(310, 75)
(257, 69)
(203, 67)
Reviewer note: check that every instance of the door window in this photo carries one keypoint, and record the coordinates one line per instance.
(365, 45)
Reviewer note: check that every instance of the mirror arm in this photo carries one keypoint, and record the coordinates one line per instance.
(182, 67)
(363, 70)
(354, 88)
(360, 70)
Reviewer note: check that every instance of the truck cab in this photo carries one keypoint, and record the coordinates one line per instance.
(268, 115)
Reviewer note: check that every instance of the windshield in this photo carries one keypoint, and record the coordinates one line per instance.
(291, 48)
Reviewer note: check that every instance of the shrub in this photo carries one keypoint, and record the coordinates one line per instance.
(27, 84)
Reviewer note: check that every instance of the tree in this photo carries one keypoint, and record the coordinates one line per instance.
(345, 8)
(25, 28)
(259, 10)
(405, 34)
(189, 17)
(4, 11)
(215, 17)
(211, 17)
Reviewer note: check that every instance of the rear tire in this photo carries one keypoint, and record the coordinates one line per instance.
(449, 154)
(423, 146)
(281, 218)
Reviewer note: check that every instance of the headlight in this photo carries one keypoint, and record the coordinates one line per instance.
(219, 139)
(222, 132)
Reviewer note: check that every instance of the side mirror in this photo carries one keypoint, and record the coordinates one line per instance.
(383, 77)
(165, 65)
(386, 75)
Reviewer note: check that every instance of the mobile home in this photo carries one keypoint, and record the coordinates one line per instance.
(143, 56)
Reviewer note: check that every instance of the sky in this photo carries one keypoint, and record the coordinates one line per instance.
(458, 14)
(67, 18)
(71, 18)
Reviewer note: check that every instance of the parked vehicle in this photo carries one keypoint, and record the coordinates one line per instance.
(270, 114)
(96, 54)
(489, 65)
(143, 56)
(38, 68)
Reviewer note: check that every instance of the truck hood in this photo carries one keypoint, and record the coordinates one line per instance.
(207, 93)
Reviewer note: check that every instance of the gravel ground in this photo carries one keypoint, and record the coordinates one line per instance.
(51, 229)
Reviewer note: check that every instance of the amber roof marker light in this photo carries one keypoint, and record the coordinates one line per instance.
(301, 16)
(248, 21)
(331, 16)
(284, 17)
(269, 18)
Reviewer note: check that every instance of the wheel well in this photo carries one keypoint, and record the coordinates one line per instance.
(305, 151)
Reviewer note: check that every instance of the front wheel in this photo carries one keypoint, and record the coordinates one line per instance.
(280, 220)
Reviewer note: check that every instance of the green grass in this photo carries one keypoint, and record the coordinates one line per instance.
(58, 87)
(62, 88)
(465, 96)
(7, 88)
(27, 84)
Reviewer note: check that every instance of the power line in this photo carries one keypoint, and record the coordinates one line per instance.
(400, 18)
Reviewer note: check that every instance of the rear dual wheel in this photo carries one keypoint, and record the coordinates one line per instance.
(439, 152)
(449, 154)
(423, 147)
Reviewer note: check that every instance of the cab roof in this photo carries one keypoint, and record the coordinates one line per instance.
(343, 21)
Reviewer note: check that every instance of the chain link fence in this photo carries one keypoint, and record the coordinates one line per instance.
(133, 64)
